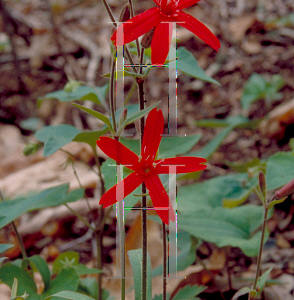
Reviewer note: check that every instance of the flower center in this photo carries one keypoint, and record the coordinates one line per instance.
(168, 7)
(147, 170)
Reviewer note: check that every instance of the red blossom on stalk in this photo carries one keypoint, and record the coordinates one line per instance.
(160, 17)
(146, 168)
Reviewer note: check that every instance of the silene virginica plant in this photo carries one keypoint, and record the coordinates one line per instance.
(141, 174)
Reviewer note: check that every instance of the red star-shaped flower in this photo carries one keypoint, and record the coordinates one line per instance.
(160, 17)
(146, 168)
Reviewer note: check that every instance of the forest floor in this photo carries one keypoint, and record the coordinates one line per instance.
(70, 40)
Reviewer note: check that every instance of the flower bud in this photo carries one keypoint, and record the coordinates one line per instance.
(262, 184)
(147, 39)
(285, 190)
(125, 13)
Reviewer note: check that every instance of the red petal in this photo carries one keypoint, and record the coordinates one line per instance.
(138, 25)
(186, 3)
(118, 152)
(161, 42)
(121, 190)
(160, 199)
(199, 29)
(152, 134)
(184, 164)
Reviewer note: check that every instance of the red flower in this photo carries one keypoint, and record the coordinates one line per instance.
(159, 17)
(146, 168)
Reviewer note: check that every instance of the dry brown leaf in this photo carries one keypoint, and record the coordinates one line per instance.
(239, 26)
(274, 126)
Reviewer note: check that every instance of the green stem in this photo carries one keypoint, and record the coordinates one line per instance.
(78, 159)
(111, 93)
(261, 246)
(80, 184)
(19, 239)
(80, 217)
(164, 261)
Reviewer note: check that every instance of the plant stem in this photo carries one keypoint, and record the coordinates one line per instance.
(141, 97)
(261, 246)
(164, 261)
(19, 239)
(80, 217)
(132, 15)
(111, 93)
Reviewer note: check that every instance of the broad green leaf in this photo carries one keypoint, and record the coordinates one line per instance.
(88, 286)
(12, 209)
(66, 280)
(279, 170)
(55, 137)
(25, 283)
(233, 227)
(42, 267)
(135, 257)
(4, 247)
(262, 280)
(90, 137)
(187, 64)
(243, 167)
(70, 257)
(257, 87)
(169, 146)
(211, 193)
(189, 292)
(138, 115)
(70, 296)
(84, 270)
(95, 114)
(185, 257)
(94, 94)
(32, 124)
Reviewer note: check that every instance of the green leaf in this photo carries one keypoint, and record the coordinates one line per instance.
(211, 193)
(257, 87)
(55, 137)
(233, 227)
(187, 64)
(68, 256)
(4, 247)
(243, 291)
(90, 137)
(138, 115)
(262, 280)
(169, 146)
(285, 21)
(189, 292)
(89, 286)
(43, 269)
(96, 94)
(243, 167)
(279, 170)
(12, 209)
(273, 203)
(95, 114)
(185, 257)
(135, 257)
(70, 295)
(66, 280)
(25, 283)
(84, 270)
